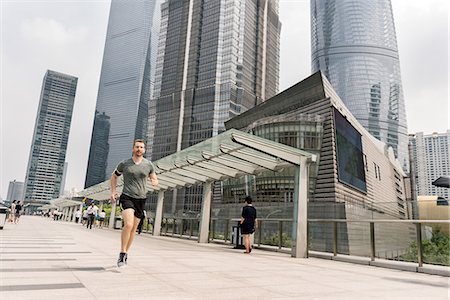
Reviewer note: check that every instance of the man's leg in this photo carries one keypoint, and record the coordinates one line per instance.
(132, 233)
(129, 229)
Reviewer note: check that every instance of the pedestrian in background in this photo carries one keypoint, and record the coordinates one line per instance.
(248, 223)
(12, 212)
(85, 217)
(101, 218)
(91, 214)
(77, 216)
(18, 212)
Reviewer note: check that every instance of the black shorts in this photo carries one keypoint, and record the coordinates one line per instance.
(136, 204)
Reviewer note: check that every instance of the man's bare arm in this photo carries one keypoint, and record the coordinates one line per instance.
(113, 188)
(153, 179)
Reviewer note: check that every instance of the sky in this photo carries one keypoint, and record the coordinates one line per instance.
(68, 36)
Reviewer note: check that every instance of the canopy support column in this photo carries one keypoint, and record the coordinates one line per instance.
(206, 212)
(112, 216)
(300, 230)
(158, 214)
(70, 214)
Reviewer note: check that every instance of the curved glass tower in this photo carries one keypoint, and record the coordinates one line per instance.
(126, 79)
(354, 44)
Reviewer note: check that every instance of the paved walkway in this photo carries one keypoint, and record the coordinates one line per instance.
(44, 259)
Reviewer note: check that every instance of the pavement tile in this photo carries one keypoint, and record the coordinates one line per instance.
(171, 268)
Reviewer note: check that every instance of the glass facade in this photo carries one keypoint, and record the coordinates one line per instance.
(125, 85)
(277, 188)
(51, 132)
(216, 59)
(354, 44)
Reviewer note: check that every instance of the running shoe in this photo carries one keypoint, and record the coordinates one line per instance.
(121, 261)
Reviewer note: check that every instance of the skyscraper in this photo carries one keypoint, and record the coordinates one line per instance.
(125, 85)
(431, 159)
(15, 191)
(51, 132)
(216, 59)
(355, 45)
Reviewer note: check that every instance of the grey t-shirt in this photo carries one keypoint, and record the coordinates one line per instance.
(135, 177)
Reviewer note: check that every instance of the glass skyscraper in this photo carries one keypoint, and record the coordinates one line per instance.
(216, 59)
(125, 85)
(51, 132)
(354, 44)
(15, 191)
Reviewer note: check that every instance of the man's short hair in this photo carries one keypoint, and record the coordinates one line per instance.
(248, 199)
(138, 141)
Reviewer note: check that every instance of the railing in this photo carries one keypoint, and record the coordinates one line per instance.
(400, 240)
(401, 254)
(183, 227)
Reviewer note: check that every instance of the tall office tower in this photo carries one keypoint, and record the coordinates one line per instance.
(15, 191)
(126, 80)
(216, 59)
(355, 45)
(51, 132)
(431, 159)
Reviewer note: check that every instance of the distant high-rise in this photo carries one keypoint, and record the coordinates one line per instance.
(216, 59)
(51, 132)
(15, 191)
(355, 45)
(431, 159)
(125, 85)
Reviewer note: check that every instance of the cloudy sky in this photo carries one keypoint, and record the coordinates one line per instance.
(68, 36)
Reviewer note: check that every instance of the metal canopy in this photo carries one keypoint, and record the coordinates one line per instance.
(63, 202)
(231, 154)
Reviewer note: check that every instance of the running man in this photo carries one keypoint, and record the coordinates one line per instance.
(135, 171)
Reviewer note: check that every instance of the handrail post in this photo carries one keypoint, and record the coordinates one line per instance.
(335, 240)
(173, 226)
(419, 244)
(213, 231)
(182, 227)
(227, 225)
(259, 232)
(372, 241)
(280, 234)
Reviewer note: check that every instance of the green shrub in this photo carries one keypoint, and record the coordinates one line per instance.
(435, 251)
(286, 241)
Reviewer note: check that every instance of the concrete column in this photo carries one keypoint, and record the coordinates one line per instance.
(113, 215)
(74, 211)
(69, 213)
(158, 214)
(65, 213)
(300, 226)
(206, 213)
(81, 210)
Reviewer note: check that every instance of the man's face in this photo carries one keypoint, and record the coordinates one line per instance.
(138, 149)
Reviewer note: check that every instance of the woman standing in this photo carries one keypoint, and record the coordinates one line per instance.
(248, 223)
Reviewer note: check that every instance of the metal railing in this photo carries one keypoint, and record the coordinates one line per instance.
(276, 234)
(416, 223)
